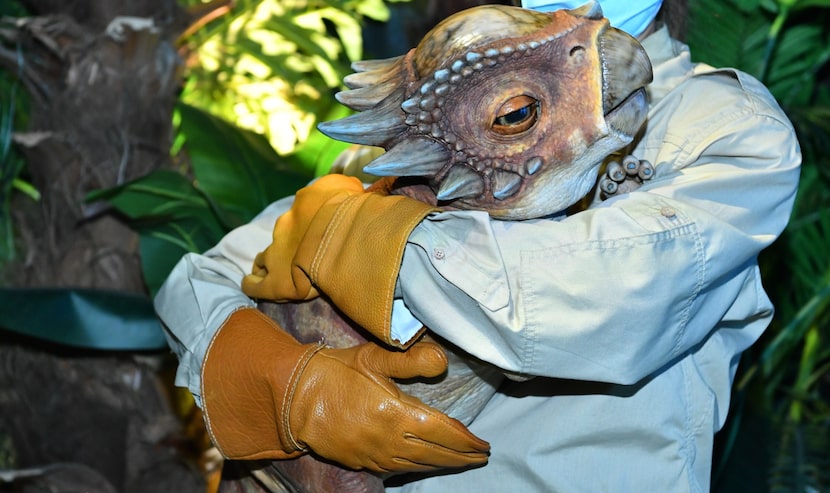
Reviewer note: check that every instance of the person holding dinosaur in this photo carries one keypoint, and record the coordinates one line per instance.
(630, 314)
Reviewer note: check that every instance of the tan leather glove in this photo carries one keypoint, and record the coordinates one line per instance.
(344, 241)
(266, 396)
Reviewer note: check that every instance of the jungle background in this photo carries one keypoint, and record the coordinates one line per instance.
(133, 132)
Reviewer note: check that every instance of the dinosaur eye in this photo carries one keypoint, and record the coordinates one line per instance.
(516, 115)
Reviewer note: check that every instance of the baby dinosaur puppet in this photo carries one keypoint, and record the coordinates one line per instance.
(500, 109)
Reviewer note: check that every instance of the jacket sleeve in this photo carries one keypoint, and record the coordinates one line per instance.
(621, 289)
(204, 289)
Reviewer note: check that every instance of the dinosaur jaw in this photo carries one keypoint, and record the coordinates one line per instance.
(627, 118)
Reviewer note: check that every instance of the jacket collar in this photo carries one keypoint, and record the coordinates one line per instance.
(670, 60)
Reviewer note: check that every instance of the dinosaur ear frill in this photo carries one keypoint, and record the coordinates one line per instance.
(373, 81)
(377, 90)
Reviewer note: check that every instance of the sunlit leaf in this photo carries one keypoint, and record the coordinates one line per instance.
(271, 66)
(237, 168)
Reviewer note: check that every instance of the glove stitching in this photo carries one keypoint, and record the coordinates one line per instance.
(209, 425)
(288, 397)
(208, 422)
(328, 234)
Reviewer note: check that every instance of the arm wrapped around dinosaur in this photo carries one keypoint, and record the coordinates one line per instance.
(491, 64)
(323, 243)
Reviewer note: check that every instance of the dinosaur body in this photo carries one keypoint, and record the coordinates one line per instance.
(499, 109)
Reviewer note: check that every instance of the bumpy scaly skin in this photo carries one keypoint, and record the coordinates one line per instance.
(502, 109)
(499, 109)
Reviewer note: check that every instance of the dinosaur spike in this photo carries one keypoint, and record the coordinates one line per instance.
(366, 98)
(505, 184)
(358, 80)
(533, 165)
(376, 126)
(369, 65)
(460, 182)
(414, 157)
(374, 77)
(591, 10)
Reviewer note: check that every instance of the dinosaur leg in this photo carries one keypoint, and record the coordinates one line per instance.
(305, 474)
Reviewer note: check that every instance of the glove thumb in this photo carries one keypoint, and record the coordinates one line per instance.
(424, 359)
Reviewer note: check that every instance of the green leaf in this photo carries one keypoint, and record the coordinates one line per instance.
(797, 59)
(162, 247)
(724, 35)
(803, 4)
(160, 194)
(319, 151)
(85, 318)
(171, 216)
(236, 168)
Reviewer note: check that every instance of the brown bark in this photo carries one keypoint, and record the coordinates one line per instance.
(102, 92)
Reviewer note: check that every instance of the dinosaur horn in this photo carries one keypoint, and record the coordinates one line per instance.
(376, 126)
(371, 77)
(366, 98)
(413, 157)
(591, 10)
(370, 87)
(369, 65)
(459, 183)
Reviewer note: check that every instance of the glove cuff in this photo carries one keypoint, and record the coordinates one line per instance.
(249, 376)
(359, 258)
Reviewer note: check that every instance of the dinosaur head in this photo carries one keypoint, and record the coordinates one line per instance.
(502, 109)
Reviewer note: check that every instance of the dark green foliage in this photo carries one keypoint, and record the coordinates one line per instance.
(236, 174)
(784, 383)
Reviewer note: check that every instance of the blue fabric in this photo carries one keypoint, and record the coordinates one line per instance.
(631, 16)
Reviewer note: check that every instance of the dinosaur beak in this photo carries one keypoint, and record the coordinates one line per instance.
(626, 72)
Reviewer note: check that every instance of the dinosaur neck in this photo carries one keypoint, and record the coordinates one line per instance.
(411, 186)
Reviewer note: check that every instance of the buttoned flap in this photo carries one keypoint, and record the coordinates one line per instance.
(466, 254)
(613, 303)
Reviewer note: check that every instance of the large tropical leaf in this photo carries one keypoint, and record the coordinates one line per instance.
(171, 216)
(237, 174)
(92, 319)
(723, 34)
(237, 169)
(271, 66)
(783, 380)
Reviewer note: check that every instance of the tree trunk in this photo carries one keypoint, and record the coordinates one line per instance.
(103, 78)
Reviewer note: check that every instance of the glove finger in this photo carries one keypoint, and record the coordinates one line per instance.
(419, 425)
(424, 359)
(427, 458)
(436, 430)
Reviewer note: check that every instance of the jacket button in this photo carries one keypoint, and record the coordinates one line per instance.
(668, 212)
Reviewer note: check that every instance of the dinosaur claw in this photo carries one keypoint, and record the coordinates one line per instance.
(646, 170)
(615, 172)
(608, 186)
(624, 177)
